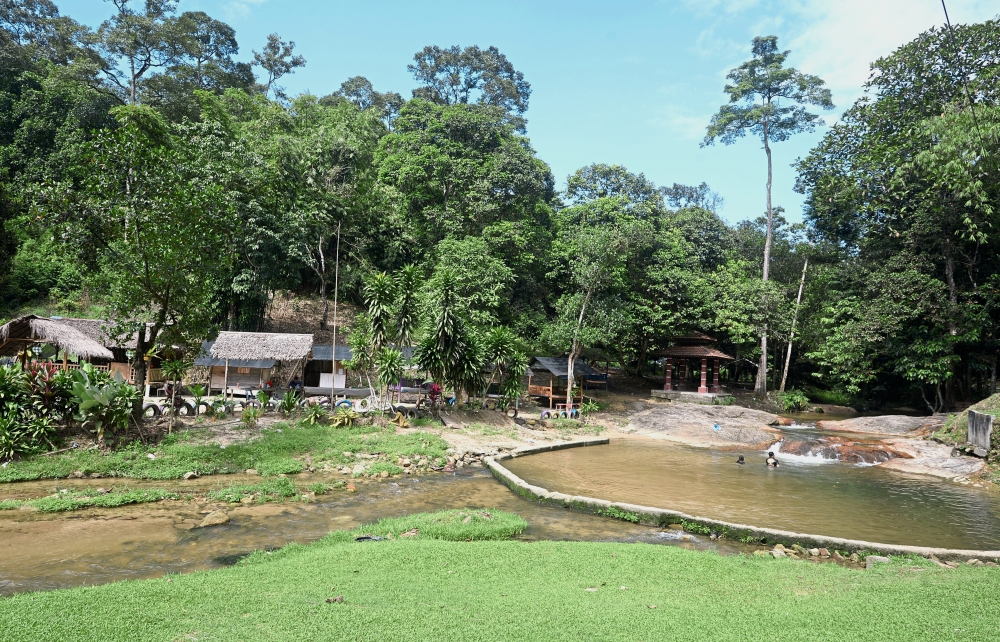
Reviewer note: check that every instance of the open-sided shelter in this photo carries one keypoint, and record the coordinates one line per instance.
(244, 373)
(549, 375)
(695, 346)
(326, 369)
(230, 347)
(19, 336)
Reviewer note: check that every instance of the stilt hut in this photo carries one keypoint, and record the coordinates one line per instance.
(232, 347)
(549, 377)
(22, 336)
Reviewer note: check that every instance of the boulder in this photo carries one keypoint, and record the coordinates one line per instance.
(883, 425)
(190, 475)
(930, 458)
(215, 518)
(872, 560)
(776, 553)
(251, 471)
(359, 469)
(694, 425)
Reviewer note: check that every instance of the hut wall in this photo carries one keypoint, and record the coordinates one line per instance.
(242, 377)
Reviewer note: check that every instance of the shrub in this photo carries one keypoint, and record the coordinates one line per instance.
(792, 400)
(103, 402)
(250, 417)
(316, 414)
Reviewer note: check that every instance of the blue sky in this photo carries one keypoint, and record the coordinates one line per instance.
(627, 82)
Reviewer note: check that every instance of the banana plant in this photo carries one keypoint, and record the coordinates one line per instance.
(102, 404)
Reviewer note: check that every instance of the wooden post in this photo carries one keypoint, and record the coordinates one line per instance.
(551, 385)
(715, 376)
(65, 361)
(225, 382)
(670, 366)
(704, 375)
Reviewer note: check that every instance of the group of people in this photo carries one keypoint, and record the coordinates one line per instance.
(771, 461)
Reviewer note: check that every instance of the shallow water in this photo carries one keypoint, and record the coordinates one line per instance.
(40, 552)
(807, 495)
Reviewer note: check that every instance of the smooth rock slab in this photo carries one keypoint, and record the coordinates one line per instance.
(693, 424)
(882, 425)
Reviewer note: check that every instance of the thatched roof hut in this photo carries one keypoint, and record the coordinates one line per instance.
(251, 346)
(100, 331)
(27, 330)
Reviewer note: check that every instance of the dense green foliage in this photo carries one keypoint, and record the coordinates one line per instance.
(145, 170)
(418, 587)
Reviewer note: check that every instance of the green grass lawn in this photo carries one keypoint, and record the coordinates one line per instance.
(426, 588)
(277, 450)
(76, 499)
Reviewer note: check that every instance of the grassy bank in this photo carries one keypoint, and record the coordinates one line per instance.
(273, 451)
(74, 500)
(428, 588)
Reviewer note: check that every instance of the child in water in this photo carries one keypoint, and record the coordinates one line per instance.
(772, 461)
(740, 460)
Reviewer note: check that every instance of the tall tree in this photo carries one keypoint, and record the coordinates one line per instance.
(766, 100)
(142, 40)
(276, 60)
(453, 75)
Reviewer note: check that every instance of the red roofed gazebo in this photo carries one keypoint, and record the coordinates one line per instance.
(693, 346)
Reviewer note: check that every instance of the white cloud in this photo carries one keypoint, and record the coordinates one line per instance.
(839, 40)
(682, 121)
(241, 8)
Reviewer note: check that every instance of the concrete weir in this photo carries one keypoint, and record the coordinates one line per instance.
(663, 516)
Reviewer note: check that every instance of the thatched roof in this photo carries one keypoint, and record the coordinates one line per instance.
(35, 329)
(100, 331)
(205, 359)
(251, 346)
(558, 367)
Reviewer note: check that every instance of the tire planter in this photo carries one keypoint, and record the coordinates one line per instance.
(344, 403)
(546, 414)
(362, 405)
(512, 413)
(562, 414)
(151, 410)
(574, 414)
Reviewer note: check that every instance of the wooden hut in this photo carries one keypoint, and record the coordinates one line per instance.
(245, 374)
(18, 337)
(549, 376)
(326, 369)
(232, 347)
(123, 349)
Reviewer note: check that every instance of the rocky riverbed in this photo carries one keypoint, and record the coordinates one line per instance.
(721, 427)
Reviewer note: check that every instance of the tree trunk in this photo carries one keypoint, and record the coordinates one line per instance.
(574, 350)
(761, 389)
(795, 318)
(641, 363)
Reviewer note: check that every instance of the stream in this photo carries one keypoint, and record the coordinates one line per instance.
(95, 546)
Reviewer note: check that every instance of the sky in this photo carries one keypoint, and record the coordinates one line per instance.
(627, 82)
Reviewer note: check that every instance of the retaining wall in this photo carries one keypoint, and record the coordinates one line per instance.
(663, 517)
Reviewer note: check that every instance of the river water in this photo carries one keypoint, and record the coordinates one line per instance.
(805, 494)
(42, 552)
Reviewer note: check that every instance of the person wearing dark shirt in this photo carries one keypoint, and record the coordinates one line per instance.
(772, 461)
(295, 383)
(740, 461)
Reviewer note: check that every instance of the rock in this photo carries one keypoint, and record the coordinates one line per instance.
(95, 475)
(930, 458)
(980, 452)
(882, 425)
(76, 474)
(814, 552)
(359, 469)
(693, 424)
(100, 490)
(837, 556)
(990, 563)
(407, 462)
(247, 499)
(674, 527)
(351, 488)
(762, 553)
(872, 560)
(215, 518)
(459, 464)
(251, 471)
(780, 547)
(190, 475)
(823, 552)
(776, 553)
(975, 562)
(828, 447)
(335, 600)
(782, 421)
(384, 474)
(801, 551)
(854, 558)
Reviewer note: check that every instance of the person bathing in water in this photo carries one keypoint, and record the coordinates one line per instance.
(740, 461)
(772, 461)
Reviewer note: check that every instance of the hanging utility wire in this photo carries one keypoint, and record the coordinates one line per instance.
(965, 77)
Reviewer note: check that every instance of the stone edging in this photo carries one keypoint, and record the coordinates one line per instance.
(663, 517)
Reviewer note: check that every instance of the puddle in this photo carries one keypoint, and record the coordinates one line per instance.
(806, 494)
(94, 546)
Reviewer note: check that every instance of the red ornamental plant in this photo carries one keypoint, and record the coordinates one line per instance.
(41, 376)
(434, 392)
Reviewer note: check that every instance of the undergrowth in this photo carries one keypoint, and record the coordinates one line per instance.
(73, 500)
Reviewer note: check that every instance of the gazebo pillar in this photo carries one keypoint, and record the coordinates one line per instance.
(704, 375)
(667, 385)
(715, 376)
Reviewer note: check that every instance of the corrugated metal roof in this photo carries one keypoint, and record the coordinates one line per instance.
(558, 366)
(322, 353)
(206, 359)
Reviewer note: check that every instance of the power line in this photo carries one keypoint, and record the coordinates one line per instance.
(965, 78)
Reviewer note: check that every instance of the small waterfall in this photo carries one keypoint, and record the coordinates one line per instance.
(810, 458)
